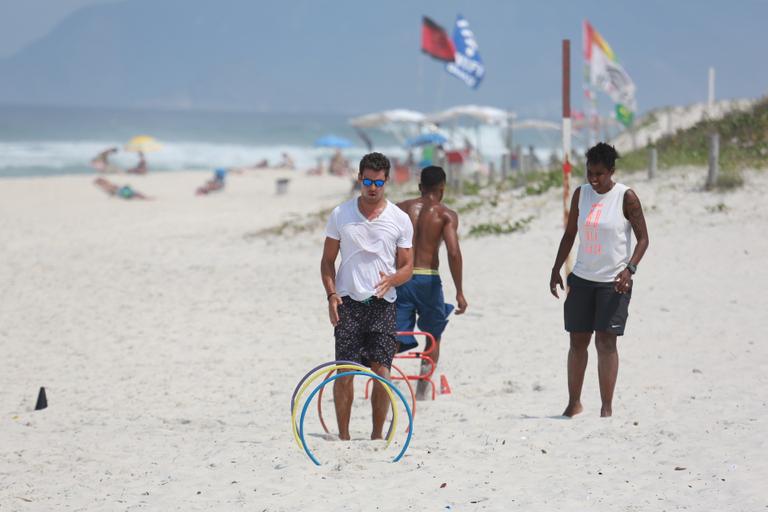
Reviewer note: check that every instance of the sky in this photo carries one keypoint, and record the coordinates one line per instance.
(665, 45)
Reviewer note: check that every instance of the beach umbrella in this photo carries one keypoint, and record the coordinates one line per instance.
(143, 144)
(379, 119)
(486, 115)
(333, 141)
(426, 138)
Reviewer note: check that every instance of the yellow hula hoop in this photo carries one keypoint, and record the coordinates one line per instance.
(317, 374)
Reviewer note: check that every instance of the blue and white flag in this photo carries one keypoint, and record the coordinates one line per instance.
(467, 64)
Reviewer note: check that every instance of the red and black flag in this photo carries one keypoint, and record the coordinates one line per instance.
(435, 41)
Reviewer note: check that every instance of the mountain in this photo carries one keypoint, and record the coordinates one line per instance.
(353, 57)
(343, 56)
(229, 54)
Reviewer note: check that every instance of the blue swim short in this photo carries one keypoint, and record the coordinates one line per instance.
(422, 296)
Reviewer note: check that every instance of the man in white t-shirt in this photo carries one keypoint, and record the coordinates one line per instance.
(374, 237)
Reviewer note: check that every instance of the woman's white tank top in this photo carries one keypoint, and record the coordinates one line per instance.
(605, 235)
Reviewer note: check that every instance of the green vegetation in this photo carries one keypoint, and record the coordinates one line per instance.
(472, 205)
(717, 208)
(743, 144)
(494, 228)
(471, 188)
(309, 222)
(539, 182)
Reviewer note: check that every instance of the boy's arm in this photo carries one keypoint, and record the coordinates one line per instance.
(455, 261)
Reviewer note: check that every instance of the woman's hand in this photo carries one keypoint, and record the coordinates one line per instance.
(623, 281)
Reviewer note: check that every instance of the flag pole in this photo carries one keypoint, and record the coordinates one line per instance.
(566, 138)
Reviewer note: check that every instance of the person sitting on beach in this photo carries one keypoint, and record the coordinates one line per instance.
(141, 167)
(433, 223)
(101, 161)
(339, 165)
(604, 214)
(214, 184)
(286, 163)
(124, 192)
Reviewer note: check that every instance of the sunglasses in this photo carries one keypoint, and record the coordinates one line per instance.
(368, 182)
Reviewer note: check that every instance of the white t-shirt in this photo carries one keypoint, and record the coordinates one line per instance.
(367, 247)
(605, 240)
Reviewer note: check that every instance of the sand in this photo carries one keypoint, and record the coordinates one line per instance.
(169, 339)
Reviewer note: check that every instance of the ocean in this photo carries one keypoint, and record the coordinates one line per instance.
(42, 141)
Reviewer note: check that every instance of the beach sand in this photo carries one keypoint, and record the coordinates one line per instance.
(169, 338)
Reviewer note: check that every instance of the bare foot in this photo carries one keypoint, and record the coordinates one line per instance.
(375, 437)
(605, 412)
(344, 437)
(573, 409)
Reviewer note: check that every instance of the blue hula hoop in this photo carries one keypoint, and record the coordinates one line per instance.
(346, 374)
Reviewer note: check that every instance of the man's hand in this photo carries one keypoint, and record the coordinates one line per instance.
(554, 281)
(334, 301)
(461, 303)
(386, 283)
(623, 281)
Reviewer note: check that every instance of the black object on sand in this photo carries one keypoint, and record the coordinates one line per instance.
(42, 401)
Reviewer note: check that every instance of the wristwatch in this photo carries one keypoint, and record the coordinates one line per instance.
(632, 268)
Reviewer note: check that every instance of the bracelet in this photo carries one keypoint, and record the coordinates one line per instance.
(329, 295)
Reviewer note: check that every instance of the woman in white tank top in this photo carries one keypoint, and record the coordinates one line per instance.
(603, 214)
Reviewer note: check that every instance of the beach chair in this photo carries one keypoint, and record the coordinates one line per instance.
(420, 356)
(401, 375)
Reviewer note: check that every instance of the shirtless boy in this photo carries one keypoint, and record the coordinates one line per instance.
(433, 223)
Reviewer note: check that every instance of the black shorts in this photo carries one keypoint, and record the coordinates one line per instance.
(366, 332)
(592, 306)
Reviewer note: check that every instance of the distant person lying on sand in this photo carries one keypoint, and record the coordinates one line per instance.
(316, 170)
(214, 184)
(604, 214)
(433, 224)
(101, 161)
(124, 192)
(141, 167)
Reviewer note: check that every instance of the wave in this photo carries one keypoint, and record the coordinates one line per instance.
(36, 158)
(53, 157)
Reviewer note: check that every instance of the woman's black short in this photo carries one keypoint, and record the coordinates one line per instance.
(592, 306)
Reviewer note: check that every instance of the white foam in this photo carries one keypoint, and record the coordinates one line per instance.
(63, 157)
(75, 156)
